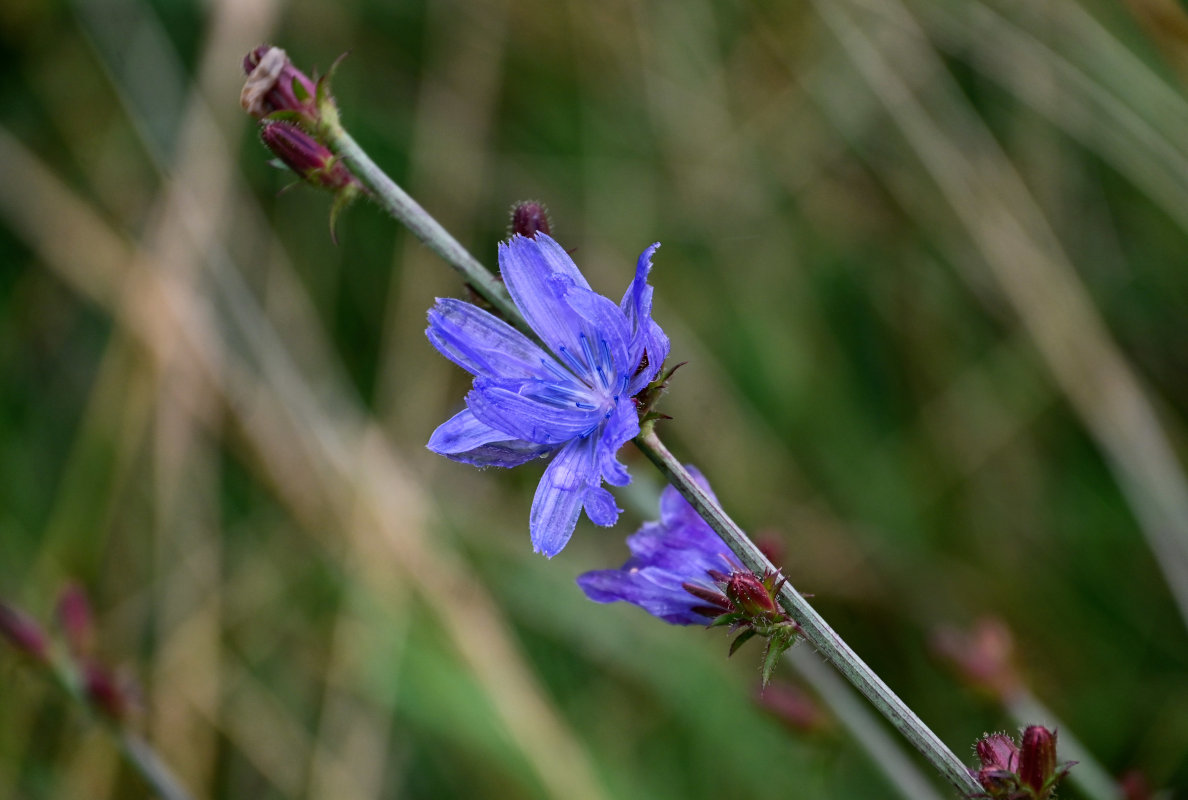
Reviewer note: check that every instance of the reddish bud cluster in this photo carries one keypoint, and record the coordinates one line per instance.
(296, 112)
(1013, 772)
(105, 694)
(747, 603)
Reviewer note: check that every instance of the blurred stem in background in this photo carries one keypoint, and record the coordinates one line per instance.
(88, 683)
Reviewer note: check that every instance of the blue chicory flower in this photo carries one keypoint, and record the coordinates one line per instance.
(679, 549)
(572, 400)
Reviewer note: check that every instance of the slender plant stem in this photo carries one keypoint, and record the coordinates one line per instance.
(816, 630)
(407, 211)
(136, 752)
(827, 642)
(887, 753)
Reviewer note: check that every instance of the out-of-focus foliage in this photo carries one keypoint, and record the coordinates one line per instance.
(922, 257)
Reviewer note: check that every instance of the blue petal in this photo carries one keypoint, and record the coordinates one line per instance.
(559, 497)
(481, 343)
(600, 507)
(621, 427)
(606, 324)
(466, 439)
(521, 417)
(674, 606)
(646, 335)
(675, 511)
(538, 273)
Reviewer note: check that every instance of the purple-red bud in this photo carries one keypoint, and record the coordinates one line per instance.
(1013, 772)
(104, 692)
(306, 156)
(793, 707)
(23, 633)
(998, 751)
(982, 656)
(274, 84)
(530, 218)
(1037, 757)
(74, 615)
(750, 596)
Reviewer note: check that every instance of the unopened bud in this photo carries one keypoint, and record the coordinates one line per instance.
(1037, 757)
(23, 633)
(530, 218)
(998, 751)
(104, 692)
(750, 596)
(1013, 772)
(274, 84)
(307, 157)
(793, 707)
(74, 615)
(982, 656)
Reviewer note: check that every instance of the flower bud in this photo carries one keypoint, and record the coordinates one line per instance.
(74, 615)
(306, 156)
(23, 633)
(104, 692)
(1037, 757)
(999, 752)
(1013, 772)
(750, 596)
(274, 84)
(530, 218)
(793, 707)
(983, 656)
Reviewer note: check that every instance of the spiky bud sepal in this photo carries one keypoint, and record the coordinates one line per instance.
(747, 603)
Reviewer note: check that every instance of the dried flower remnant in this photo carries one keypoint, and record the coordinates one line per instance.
(273, 84)
(572, 401)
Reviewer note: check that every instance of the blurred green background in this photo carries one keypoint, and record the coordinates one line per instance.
(925, 258)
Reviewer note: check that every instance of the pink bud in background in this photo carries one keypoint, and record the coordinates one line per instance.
(75, 617)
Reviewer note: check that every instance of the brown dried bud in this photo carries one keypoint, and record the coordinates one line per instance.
(274, 84)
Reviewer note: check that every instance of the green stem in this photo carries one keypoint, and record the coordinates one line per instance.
(405, 210)
(816, 630)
